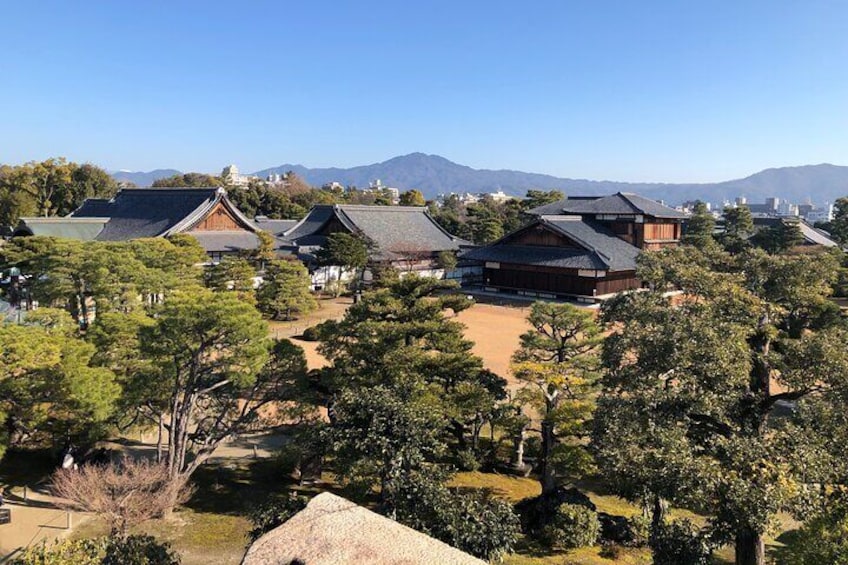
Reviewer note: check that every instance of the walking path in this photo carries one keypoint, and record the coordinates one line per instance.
(34, 520)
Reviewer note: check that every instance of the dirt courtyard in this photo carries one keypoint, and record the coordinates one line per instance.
(494, 329)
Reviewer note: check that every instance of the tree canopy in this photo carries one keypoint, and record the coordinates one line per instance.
(54, 187)
(689, 410)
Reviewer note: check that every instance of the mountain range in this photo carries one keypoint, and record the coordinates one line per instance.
(433, 175)
(143, 179)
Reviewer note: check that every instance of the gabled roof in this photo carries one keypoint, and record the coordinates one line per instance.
(394, 230)
(812, 236)
(334, 531)
(150, 212)
(226, 241)
(620, 203)
(274, 227)
(83, 229)
(600, 249)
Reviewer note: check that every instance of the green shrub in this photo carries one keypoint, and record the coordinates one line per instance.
(572, 525)
(680, 542)
(639, 530)
(62, 552)
(473, 522)
(466, 460)
(271, 514)
(311, 334)
(610, 551)
(139, 550)
(133, 550)
(823, 539)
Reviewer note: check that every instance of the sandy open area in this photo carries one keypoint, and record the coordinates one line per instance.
(494, 329)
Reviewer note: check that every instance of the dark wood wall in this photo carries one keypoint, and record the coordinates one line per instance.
(557, 281)
(540, 236)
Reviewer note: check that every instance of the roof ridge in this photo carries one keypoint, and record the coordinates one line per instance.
(381, 208)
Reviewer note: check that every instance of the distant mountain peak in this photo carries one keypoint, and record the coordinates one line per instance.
(434, 174)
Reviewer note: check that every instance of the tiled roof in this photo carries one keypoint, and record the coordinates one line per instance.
(147, 212)
(275, 227)
(561, 257)
(616, 253)
(225, 241)
(314, 221)
(601, 249)
(83, 229)
(812, 236)
(395, 230)
(624, 203)
(151, 212)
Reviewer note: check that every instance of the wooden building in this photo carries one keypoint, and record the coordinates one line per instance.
(406, 237)
(640, 221)
(582, 248)
(203, 213)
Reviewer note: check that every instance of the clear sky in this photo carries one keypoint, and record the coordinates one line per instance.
(650, 90)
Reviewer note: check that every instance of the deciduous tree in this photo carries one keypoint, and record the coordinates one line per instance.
(412, 198)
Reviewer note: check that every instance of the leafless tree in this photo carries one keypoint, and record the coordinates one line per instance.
(122, 494)
(411, 255)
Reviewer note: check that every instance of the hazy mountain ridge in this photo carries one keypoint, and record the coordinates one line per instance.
(142, 179)
(433, 174)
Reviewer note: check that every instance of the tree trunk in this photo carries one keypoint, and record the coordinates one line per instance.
(750, 549)
(658, 513)
(159, 437)
(547, 476)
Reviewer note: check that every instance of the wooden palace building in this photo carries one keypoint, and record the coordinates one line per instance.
(581, 247)
(203, 213)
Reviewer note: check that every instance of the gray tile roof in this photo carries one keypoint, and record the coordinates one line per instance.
(601, 249)
(616, 253)
(226, 241)
(275, 227)
(82, 229)
(153, 212)
(147, 212)
(812, 236)
(314, 221)
(624, 203)
(541, 256)
(394, 230)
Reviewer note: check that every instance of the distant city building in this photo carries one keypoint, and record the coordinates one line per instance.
(378, 186)
(231, 176)
(786, 208)
(772, 202)
(823, 214)
(500, 196)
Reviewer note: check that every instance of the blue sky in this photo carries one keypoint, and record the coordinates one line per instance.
(676, 90)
